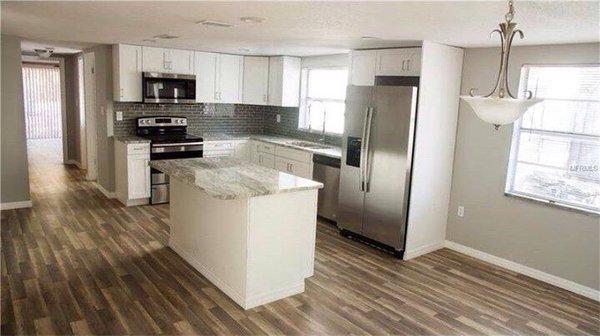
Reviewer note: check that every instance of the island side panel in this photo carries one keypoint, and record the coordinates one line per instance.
(210, 234)
(281, 245)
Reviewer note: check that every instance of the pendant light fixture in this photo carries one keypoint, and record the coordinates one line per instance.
(500, 107)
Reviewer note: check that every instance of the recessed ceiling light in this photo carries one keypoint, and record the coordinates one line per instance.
(215, 23)
(245, 49)
(149, 40)
(252, 19)
(166, 36)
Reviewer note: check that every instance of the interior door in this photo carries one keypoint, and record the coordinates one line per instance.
(389, 153)
(350, 211)
(89, 87)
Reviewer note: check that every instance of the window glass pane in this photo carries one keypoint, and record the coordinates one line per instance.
(557, 156)
(315, 114)
(334, 122)
(327, 83)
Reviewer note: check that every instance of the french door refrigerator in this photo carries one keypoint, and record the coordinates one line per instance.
(376, 161)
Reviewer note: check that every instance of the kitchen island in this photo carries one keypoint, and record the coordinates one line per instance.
(250, 230)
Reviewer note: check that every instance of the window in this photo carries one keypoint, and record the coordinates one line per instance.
(322, 99)
(555, 153)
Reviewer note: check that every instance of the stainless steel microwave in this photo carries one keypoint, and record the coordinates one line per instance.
(168, 88)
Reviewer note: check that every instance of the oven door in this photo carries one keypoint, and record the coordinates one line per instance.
(169, 88)
(175, 151)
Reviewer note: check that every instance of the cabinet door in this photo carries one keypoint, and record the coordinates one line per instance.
(153, 59)
(266, 160)
(399, 62)
(127, 73)
(362, 68)
(229, 78)
(138, 173)
(180, 61)
(256, 80)
(275, 81)
(205, 67)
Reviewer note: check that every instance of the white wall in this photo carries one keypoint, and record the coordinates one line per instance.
(339, 60)
(560, 242)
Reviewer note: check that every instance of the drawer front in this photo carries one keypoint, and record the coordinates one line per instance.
(265, 147)
(293, 167)
(293, 154)
(217, 153)
(218, 145)
(138, 149)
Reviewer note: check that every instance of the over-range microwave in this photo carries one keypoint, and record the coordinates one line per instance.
(168, 88)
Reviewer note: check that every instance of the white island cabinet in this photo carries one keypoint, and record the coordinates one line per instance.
(250, 230)
(132, 171)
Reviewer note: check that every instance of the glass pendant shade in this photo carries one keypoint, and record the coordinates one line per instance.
(500, 107)
(499, 111)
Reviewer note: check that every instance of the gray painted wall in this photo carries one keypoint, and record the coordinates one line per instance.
(72, 108)
(557, 241)
(15, 176)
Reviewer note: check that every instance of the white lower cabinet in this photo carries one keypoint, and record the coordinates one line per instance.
(265, 160)
(132, 172)
(293, 167)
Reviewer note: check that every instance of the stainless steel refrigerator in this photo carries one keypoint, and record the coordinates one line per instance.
(376, 161)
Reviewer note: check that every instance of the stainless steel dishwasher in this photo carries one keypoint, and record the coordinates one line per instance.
(327, 171)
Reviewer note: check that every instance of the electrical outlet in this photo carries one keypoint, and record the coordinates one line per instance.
(461, 211)
(279, 118)
(119, 115)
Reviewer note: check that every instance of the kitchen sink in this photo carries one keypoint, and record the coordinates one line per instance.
(306, 144)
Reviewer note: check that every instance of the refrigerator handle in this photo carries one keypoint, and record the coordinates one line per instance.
(367, 170)
(362, 149)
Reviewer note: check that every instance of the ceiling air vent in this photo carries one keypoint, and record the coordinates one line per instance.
(166, 36)
(215, 23)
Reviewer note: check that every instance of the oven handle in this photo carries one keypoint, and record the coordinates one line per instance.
(178, 144)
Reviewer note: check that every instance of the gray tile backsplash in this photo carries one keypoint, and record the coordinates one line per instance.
(222, 118)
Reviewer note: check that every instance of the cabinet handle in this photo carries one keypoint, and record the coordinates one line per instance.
(403, 62)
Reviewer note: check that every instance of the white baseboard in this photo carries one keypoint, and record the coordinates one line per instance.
(73, 162)
(104, 191)
(15, 205)
(526, 270)
(423, 250)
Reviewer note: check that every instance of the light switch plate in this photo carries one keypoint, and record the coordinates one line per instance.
(279, 118)
(119, 115)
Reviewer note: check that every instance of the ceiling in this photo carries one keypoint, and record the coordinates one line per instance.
(295, 28)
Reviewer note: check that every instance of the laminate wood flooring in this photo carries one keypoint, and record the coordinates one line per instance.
(80, 263)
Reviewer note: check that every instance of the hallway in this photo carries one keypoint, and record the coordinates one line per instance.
(79, 263)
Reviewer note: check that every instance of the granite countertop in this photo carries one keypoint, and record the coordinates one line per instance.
(228, 178)
(330, 150)
(131, 139)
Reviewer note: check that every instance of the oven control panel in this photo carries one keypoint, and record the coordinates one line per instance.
(161, 121)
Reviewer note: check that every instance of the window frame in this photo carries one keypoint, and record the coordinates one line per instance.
(515, 144)
(304, 80)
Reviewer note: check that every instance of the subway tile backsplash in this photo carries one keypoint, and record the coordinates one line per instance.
(222, 118)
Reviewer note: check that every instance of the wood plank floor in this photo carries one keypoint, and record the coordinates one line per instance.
(79, 263)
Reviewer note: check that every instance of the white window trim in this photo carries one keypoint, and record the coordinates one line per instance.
(514, 149)
(303, 98)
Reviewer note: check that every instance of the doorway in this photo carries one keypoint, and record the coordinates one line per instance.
(87, 114)
(44, 107)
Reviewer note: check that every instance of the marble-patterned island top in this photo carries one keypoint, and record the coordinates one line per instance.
(230, 178)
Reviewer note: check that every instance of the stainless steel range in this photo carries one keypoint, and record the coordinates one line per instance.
(168, 140)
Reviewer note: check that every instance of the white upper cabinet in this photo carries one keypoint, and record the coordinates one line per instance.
(205, 65)
(180, 61)
(362, 67)
(230, 74)
(256, 80)
(284, 81)
(168, 60)
(398, 62)
(127, 73)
